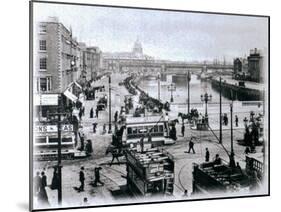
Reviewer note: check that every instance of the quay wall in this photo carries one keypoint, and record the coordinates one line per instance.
(239, 92)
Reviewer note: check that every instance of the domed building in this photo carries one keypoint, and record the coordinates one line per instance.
(111, 60)
(137, 49)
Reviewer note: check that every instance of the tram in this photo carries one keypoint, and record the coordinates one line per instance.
(142, 127)
(46, 142)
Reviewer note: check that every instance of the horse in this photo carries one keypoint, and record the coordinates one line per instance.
(116, 152)
(192, 116)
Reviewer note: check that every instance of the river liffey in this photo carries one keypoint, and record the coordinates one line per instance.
(180, 95)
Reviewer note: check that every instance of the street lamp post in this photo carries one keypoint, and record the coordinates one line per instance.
(206, 98)
(109, 91)
(171, 88)
(220, 114)
(232, 160)
(159, 86)
(188, 92)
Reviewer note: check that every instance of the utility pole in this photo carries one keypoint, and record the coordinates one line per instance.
(188, 92)
(59, 152)
(59, 166)
(159, 86)
(232, 160)
(109, 90)
(220, 115)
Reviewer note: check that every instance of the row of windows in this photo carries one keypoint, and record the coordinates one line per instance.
(145, 129)
(45, 140)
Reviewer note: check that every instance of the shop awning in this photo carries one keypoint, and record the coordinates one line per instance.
(70, 95)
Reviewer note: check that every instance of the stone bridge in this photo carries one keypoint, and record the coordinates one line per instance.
(153, 67)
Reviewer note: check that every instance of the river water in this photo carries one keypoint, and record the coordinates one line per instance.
(180, 95)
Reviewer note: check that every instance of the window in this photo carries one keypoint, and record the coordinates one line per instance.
(66, 140)
(42, 45)
(40, 140)
(43, 63)
(43, 28)
(53, 140)
(44, 84)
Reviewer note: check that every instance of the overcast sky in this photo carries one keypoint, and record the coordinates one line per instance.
(163, 34)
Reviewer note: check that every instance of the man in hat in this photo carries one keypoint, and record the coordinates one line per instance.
(97, 176)
(207, 155)
(191, 145)
(81, 179)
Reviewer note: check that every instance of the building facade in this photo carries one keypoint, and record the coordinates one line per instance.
(57, 61)
(92, 61)
(240, 69)
(255, 65)
(133, 61)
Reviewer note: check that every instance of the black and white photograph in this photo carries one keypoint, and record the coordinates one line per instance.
(133, 105)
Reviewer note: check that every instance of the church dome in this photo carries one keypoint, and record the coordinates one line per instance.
(137, 49)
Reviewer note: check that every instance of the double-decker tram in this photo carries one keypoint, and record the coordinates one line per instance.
(46, 142)
(153, 128)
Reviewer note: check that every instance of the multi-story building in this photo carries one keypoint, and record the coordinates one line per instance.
(240, 69)
(255, 66)
(93, 61)
(56, 57)
(56, 65)
(123, 60)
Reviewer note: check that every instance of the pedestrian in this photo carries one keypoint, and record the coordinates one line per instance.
(97, 112)
(142, 144)
(149, 139)
(80, 114)
(226, 120)
(217, 160)
(44, 179)
(82, 138)
(182, 129)
(104, 129)
(83, 111)
(207, 155)
(81, 179)
(85, 201)
(173, 133)
(116, 117)
(42, 195)
(37, 183)
(185, 194)
(91, 113)
(89, 147)
(115, 152)
(55, 179)
(97, 176)
(238, 167)
(94, 127)
(191, 145)
(236, 120)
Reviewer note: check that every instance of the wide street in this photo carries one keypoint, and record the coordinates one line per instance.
(114, 176)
